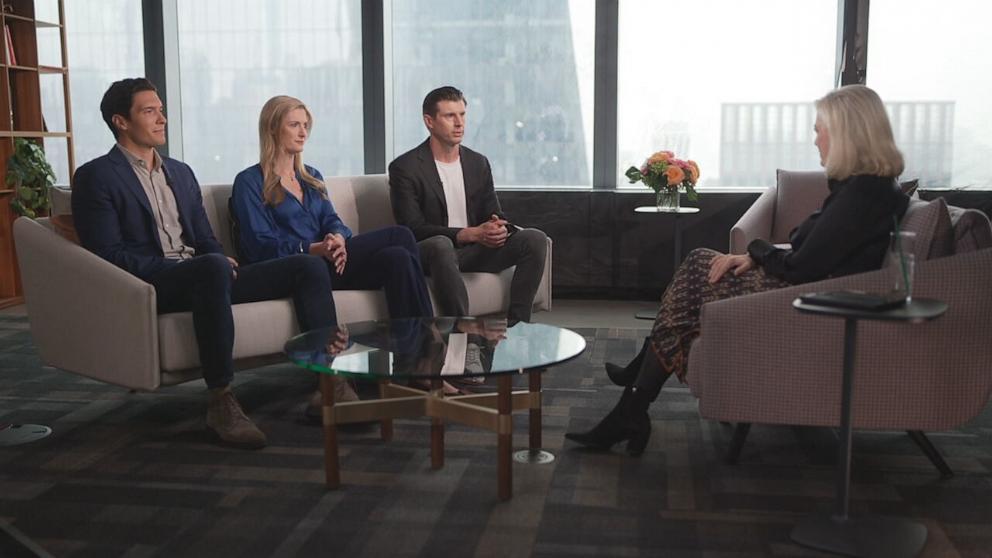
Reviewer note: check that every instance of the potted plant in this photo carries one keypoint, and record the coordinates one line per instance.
(30, 176)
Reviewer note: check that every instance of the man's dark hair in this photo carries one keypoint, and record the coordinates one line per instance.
(119, 98)
(446, 93)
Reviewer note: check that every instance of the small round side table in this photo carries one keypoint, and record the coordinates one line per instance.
(676, 212)
(862, 536)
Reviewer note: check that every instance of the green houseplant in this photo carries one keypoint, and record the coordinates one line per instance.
(30, 176)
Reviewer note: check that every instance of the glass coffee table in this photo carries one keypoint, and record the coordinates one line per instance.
(429, 351)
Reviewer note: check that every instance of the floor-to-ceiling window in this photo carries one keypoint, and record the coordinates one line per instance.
(236, 54)
(729, 84)
(931, 65)
(104, 45)
(526, 69)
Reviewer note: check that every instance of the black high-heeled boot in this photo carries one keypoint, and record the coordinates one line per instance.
(624, 376)
(624, 422)
(629, 420)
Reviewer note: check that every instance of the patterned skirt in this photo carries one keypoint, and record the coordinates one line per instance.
(677, 323)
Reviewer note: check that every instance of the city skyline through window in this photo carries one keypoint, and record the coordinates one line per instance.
(733, 92)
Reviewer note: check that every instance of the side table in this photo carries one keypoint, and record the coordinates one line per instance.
(861, 536)
(676, 249)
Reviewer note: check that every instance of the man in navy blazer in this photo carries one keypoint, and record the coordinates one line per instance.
(144, 213)
(444, 192)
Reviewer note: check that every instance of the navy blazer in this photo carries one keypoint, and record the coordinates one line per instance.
(417, 194)
(114, 218)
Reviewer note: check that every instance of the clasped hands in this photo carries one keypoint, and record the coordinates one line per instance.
(491, 234)
(338, 342)
(332, 249)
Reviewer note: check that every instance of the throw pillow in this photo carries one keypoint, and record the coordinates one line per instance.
(972, 230)
(909, 187)
(942, 243)
(932, 225)
(65, 227)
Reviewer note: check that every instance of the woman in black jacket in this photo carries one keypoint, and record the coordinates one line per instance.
(849, 234)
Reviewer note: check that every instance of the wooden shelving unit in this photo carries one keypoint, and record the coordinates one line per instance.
(21, 114)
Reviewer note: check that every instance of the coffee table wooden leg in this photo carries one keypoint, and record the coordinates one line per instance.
(535, 410)
(385, 425)
(504, 438)
(332, 474)
(437, 430)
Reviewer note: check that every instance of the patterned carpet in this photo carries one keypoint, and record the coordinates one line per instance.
(135, 475)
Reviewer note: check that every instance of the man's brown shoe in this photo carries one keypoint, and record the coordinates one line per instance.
(226, 419)
(343, 393)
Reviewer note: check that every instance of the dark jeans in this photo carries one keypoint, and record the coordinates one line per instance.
(526, 249)
(206, 286)
(387, 259)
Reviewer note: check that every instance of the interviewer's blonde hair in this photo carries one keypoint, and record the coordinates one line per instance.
(860, 134)
(269, 130)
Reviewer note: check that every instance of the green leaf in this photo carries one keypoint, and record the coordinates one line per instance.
(30, 175)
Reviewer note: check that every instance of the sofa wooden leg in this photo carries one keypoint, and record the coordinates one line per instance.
(931, 452)
(737, 442)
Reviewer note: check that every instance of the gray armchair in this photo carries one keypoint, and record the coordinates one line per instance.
(760, 361)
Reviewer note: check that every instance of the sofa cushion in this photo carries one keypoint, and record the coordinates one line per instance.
(932, 224)
(261, 328)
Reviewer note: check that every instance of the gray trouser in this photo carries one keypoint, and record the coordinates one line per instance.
(526, 249)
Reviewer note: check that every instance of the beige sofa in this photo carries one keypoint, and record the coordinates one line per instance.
(89, 317)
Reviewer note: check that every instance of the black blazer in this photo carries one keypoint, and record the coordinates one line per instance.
(114, 220)
(417, 195)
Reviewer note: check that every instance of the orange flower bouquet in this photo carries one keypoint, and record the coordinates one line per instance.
(665, 174)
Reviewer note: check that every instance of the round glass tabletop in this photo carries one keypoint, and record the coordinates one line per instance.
(433, 348)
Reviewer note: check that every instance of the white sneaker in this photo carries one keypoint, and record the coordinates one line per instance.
(473, 364)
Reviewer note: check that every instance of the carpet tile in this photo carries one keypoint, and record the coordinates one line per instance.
(136, 475)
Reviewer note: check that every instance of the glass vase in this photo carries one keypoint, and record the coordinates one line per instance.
(667, 200)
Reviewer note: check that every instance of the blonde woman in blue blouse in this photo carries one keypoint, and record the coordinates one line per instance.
(282, 208)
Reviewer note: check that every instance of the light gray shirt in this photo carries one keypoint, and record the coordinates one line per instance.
(163, 204)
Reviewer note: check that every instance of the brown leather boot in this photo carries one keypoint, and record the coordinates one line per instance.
(226, 419)
(343, 393)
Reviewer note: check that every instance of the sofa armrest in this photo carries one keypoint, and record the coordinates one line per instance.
(87, 316)
(542, 300)
(760, 360)
(755, 223)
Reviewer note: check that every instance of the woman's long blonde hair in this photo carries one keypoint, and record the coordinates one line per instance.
(861, 140)
(269, 130)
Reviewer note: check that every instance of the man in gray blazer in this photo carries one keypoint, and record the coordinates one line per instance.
(444, 192)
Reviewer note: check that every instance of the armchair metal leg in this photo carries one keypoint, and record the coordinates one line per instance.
(931, 452)
(737, 442)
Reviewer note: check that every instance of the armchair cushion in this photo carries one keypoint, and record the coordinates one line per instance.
(802, 192)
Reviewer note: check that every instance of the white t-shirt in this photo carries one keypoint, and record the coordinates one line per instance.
(453, 183)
